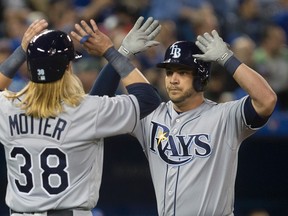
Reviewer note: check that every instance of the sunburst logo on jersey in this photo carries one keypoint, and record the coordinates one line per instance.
(161, 137)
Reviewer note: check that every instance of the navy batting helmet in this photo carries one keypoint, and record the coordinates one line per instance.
(181, 54)
(48, 56)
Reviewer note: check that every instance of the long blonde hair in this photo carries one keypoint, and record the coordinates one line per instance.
(43, 100)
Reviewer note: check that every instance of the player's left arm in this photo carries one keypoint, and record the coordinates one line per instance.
(140, 38)
(101, 45)
(10, 66)
(263, 98)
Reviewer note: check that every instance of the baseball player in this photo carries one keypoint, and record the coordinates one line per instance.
(53, 133)
(192, 143)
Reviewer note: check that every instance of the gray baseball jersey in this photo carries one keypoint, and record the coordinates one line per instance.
(193, 156)
(56, 163)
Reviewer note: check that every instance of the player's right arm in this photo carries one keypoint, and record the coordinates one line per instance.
(10, 66)
(101, 45)
(139, 39)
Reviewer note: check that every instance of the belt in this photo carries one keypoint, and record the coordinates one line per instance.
(49, 213)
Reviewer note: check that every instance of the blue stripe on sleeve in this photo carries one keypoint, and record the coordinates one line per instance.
(106, 83)
(147, 96)
(252, 117)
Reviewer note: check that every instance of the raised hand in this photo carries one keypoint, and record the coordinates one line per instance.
(34, 29)
(140, 37)
(213, 48)
(94, 41)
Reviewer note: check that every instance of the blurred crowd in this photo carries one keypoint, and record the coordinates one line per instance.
(256, 30)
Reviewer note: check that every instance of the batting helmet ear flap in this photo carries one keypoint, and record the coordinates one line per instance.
(201, 76)
(197, 85)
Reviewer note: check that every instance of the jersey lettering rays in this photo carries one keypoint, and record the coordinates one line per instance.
(178, 149)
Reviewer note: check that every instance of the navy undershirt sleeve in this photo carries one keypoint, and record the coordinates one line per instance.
(147, 96)
(106, 83)
(251, 116)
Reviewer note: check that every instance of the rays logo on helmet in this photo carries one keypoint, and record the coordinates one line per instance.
(175, 51)
(41, 74)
